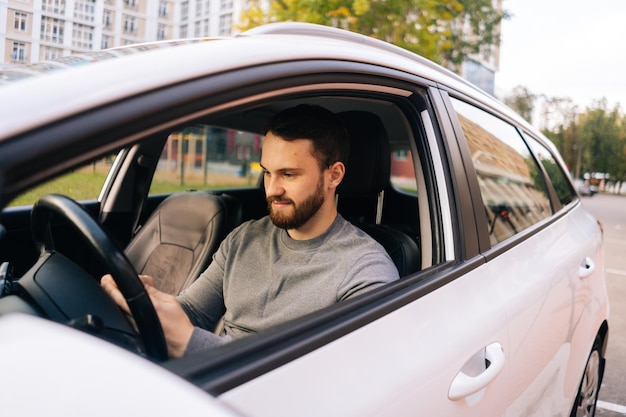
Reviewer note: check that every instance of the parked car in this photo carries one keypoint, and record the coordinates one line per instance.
(585, 189)
(501, 309)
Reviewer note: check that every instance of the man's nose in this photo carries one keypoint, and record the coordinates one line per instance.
(273, 187)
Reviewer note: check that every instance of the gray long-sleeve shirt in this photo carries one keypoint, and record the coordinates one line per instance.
(261, 277)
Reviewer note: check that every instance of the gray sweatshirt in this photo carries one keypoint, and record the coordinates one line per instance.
(261, 277)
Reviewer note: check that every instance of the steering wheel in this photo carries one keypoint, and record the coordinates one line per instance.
(124, 274)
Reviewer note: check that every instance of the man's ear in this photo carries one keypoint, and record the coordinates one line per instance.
(337, 172)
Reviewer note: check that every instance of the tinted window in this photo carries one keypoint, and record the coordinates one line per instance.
(512, 185)
(558, 177)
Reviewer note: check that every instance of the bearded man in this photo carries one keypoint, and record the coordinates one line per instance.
(300, 258)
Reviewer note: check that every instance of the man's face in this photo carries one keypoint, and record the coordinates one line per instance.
(294, 184)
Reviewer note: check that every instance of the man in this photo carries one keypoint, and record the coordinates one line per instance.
(302, 257)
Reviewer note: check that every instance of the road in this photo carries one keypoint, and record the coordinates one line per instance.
(611, 211)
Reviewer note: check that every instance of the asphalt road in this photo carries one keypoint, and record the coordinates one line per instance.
(611, 211)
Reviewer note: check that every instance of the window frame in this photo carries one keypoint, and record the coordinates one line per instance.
(20, 22)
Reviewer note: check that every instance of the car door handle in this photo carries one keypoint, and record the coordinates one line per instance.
(586, 268)
(464, 385)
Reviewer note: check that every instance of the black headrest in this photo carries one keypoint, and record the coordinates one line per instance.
(369, 164)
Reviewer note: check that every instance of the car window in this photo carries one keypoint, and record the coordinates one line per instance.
(207, 157)
(512, 185)
(403, 171)
(558, 177)
(81, 184)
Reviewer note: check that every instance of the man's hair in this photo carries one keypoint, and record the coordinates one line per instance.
(331, 142)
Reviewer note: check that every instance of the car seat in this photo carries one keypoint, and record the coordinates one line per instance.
(361, 193)
(177, 241)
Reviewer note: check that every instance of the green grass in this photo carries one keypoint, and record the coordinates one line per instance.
(86, 185)
(79, 185)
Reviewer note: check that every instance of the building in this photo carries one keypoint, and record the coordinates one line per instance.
(35, 30)
(480, 69)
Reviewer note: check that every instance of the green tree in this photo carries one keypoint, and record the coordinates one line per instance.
(559, 118)
(444, 31)
(618, 172)
(599, 136)
(522, 101)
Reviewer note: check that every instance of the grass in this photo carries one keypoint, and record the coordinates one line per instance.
(79, 185)
(86, 185)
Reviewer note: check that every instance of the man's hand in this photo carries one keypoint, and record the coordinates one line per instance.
(175, 323)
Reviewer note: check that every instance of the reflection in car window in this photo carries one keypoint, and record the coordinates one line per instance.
(512, 186)
(557, 176)
(208, 157)
(81, 184)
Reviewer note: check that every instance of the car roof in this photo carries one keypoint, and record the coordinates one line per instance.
(81, 87)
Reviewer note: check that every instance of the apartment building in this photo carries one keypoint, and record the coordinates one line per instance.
(480, 69)
(35, 30)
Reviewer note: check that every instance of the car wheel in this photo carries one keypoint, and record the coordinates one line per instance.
(585, 405)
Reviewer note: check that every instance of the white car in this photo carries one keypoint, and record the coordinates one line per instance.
(501, 309)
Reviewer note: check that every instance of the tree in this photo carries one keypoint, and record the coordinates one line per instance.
(559, 118)
(444, 31)
(599, 135)
(522, 101)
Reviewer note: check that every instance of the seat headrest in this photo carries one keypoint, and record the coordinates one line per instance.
(369, 165)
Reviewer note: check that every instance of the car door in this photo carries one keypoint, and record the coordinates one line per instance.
(543, 252)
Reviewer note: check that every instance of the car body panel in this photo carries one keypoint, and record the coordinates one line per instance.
(545, 299)
(73, 374)
(393, 365)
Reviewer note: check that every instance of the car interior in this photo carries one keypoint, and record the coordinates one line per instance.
(174, 234)
(367, 196)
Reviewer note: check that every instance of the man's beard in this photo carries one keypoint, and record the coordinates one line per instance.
(302, 212)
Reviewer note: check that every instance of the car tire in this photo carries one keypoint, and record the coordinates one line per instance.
(589, 388)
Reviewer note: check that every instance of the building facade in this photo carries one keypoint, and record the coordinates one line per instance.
(36, 30)
(480, 69)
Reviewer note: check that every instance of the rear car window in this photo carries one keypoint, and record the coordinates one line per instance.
(511, 183)
(559, 179)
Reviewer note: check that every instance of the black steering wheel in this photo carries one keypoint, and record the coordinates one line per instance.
(124, 274)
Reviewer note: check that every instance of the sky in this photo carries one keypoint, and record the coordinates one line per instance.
(565, 48)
